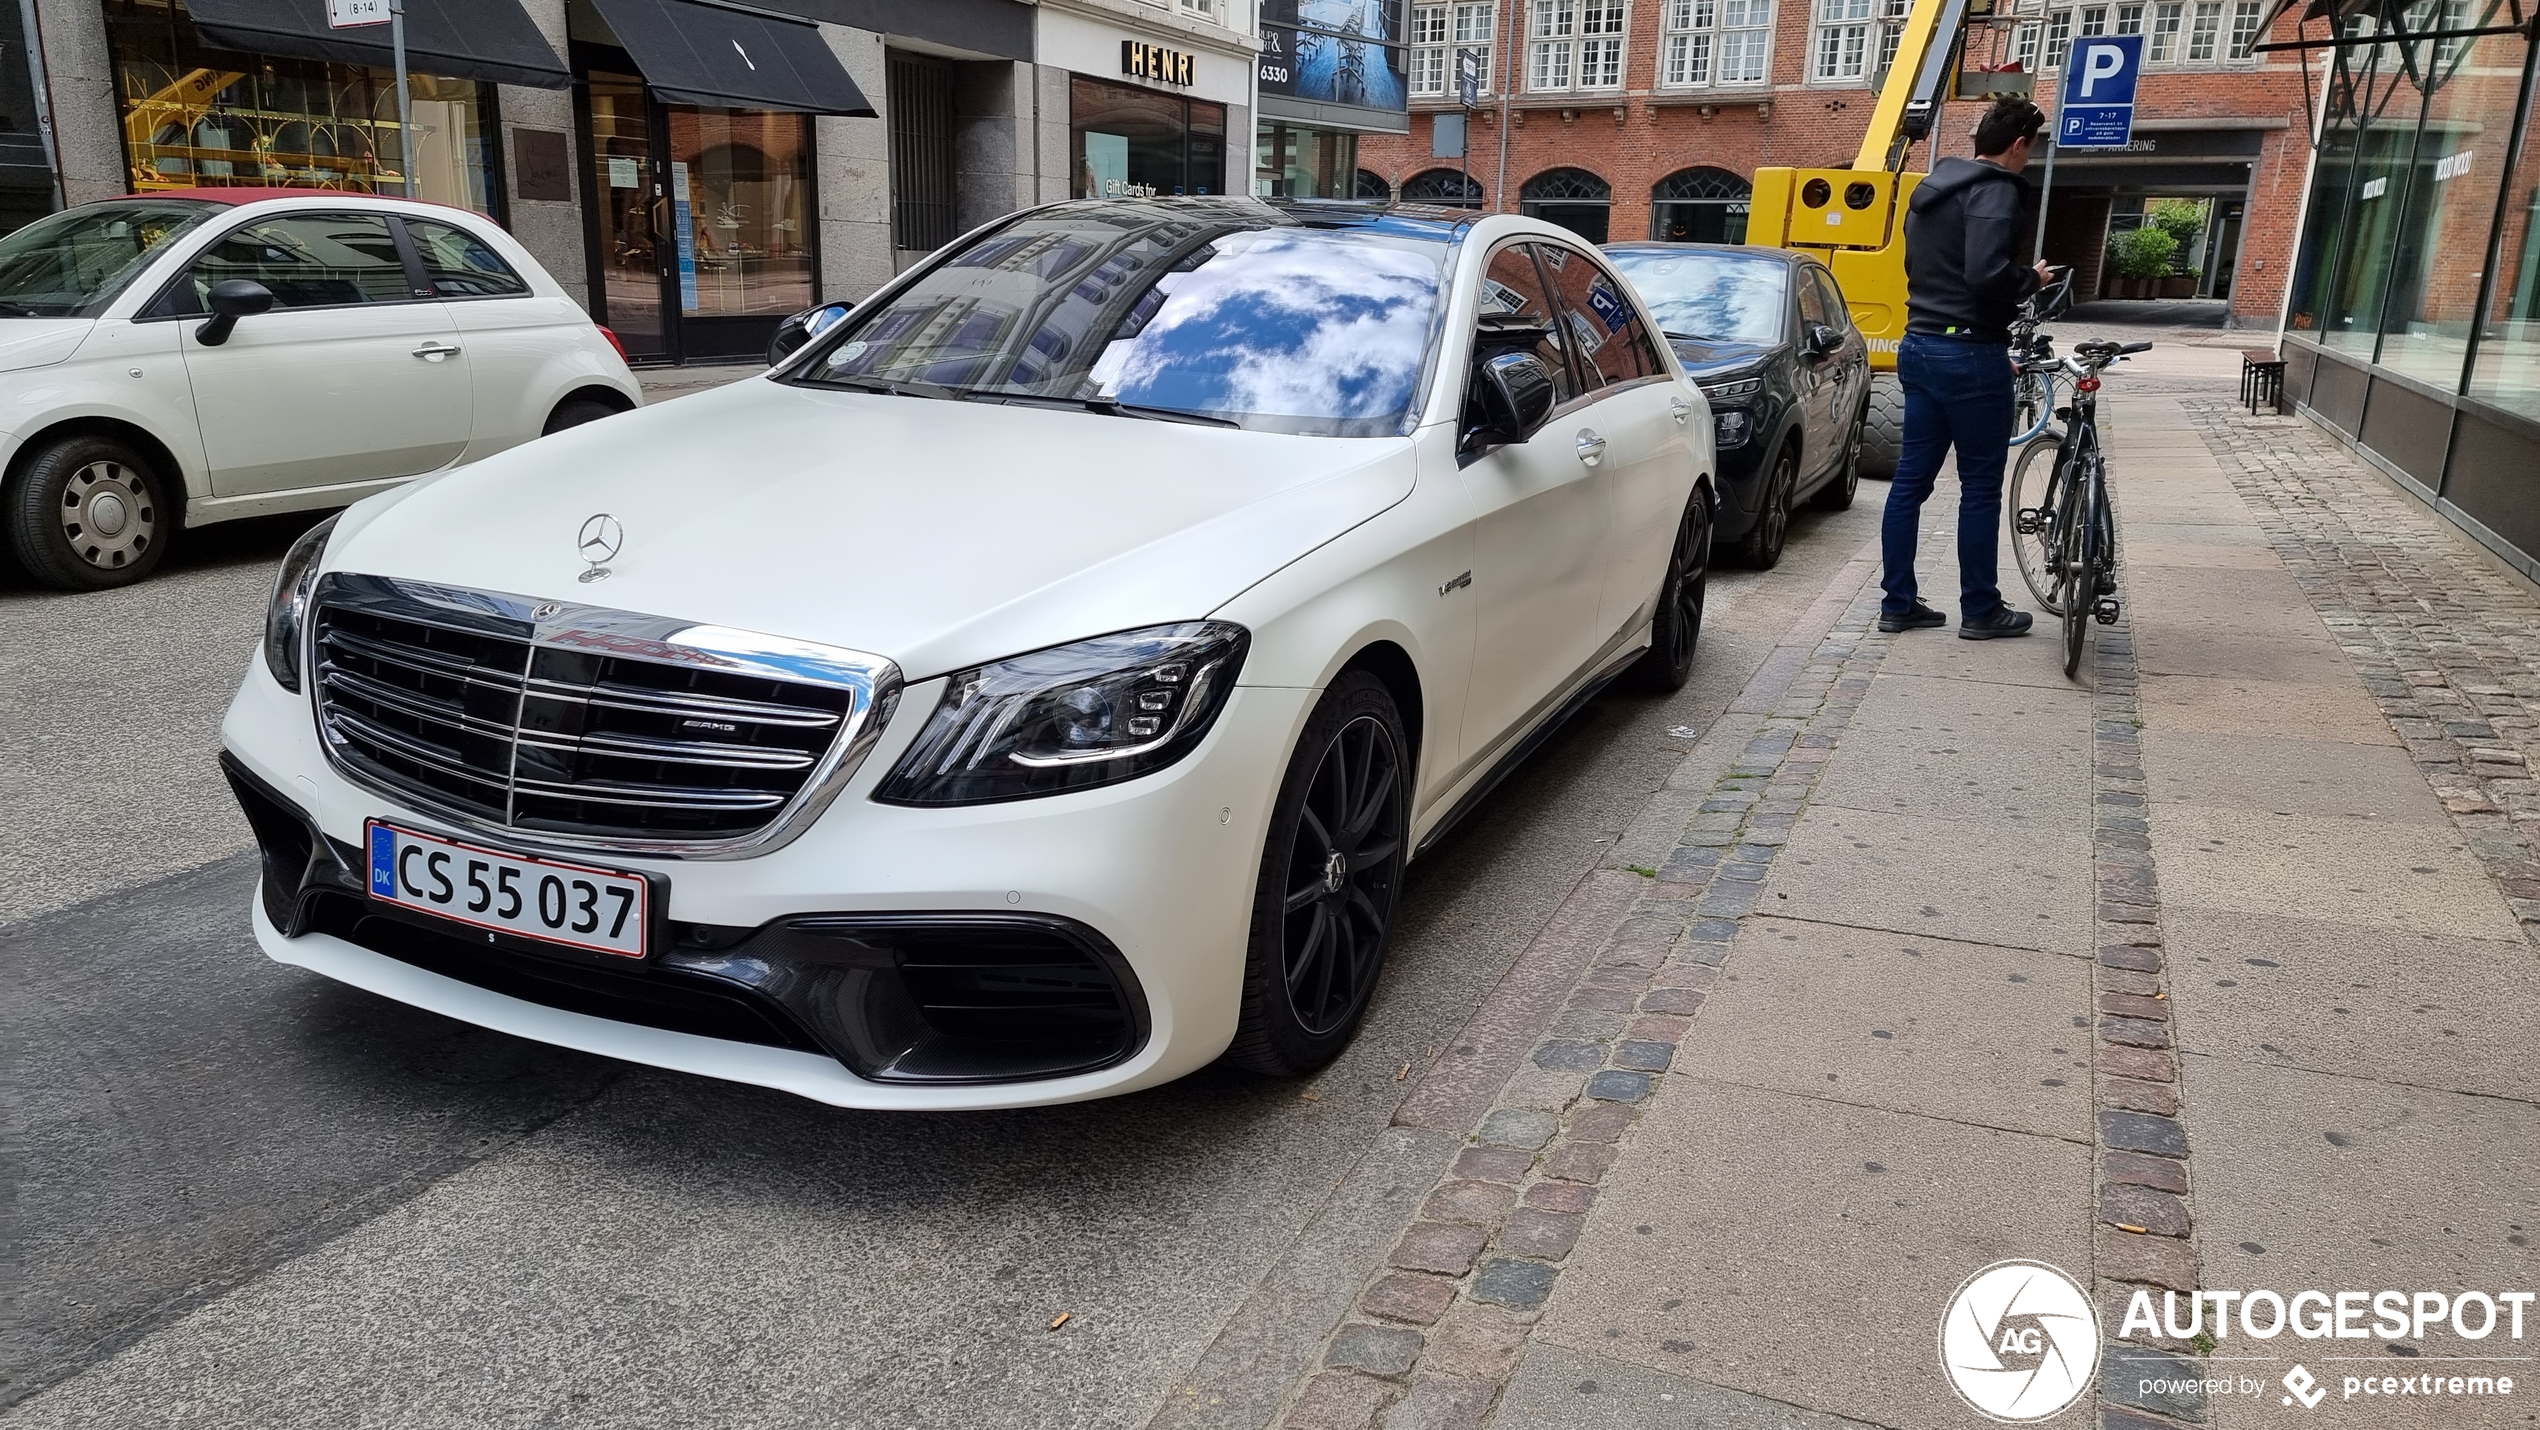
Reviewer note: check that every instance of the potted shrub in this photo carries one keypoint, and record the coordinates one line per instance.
(2141, 258)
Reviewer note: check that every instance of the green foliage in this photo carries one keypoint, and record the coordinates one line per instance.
(2181, 219)
(2142, 252)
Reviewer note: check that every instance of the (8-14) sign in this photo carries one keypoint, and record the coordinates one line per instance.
(2097, 111)
(353, 14)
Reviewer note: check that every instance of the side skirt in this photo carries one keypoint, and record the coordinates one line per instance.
(1524, 749)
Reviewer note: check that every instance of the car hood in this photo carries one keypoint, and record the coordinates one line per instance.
(40, 342)
(1709, 361)
(939, 534)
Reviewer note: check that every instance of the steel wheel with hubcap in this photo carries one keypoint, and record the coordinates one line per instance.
(87, 513)
(1763, 545)
(1330, 873)
(1677, 626)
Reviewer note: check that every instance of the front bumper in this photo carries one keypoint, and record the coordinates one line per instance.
(1015, 954)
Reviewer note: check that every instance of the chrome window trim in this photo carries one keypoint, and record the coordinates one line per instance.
(873, 684)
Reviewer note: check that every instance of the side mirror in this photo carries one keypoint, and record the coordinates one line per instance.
(1822, 341)
(232, 299)
(1517, 396)
(801, 328)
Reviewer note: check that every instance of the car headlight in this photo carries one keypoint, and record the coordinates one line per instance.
(287, 614)
(1732, 391)
(1071, 717)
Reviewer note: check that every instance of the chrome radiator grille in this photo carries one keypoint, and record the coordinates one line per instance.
(578, 725)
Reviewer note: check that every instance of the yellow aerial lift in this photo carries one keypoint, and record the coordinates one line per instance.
(1854, 219)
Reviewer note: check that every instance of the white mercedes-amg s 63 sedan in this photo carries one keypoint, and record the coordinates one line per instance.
(1033, 689)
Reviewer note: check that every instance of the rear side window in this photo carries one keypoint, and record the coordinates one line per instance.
(1517, 315)
(1605, 330)
(307, 260)
(460, 264)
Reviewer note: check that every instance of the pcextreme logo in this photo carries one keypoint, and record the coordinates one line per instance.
(2019, 1341)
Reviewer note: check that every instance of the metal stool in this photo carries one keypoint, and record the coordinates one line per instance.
(2261, 379)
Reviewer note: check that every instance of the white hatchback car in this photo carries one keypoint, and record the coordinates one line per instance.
(175, 359)
(1032, 690)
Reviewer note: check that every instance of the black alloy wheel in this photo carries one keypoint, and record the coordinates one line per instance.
(1838, 491)
(1762, 548)
(1331, 871)
(1677, 626)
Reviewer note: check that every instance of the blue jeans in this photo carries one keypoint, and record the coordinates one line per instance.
(1958, 394)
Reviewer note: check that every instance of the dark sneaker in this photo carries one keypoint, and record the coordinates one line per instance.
(2003, 622)
(1919, 618)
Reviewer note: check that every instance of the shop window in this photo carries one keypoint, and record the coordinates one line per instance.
(197, 117)
(2507, 371)
(1715, 42)
(1449, 187)
(1573, 198)
(741, 176)
(2451, 204)
(1132, 143)
(1372, 188)
(1306, 163)
(1700, 205)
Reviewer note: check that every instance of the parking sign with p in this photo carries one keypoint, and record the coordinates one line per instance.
(2097, 111)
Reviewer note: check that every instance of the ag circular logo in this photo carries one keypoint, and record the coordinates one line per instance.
(2019, 1341)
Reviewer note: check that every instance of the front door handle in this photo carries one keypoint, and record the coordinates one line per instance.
(1591, 446)
(1680, 409)
(434, 352)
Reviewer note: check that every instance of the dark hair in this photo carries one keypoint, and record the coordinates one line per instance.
(2009, 121)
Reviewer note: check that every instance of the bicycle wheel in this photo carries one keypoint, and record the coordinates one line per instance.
(2035, 487)
(2029, 404)
(2081, 558)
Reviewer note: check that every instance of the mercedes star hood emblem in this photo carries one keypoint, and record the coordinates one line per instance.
(601, 537)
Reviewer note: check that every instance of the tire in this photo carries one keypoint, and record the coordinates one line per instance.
(1318, 946)
(1837, 493)
(1883, 427)
(574, 411)
(2081, 555)
(1762, 547)
(2033, 485)
(1677, 627)
(87, 513)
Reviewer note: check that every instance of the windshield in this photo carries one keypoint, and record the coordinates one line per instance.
(1217, 311)
(1712, 297)
(68, 264)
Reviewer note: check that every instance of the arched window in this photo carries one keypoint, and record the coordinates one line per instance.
(1442, 186)
(1573, 198)
(1372, 188)
(1699, 205)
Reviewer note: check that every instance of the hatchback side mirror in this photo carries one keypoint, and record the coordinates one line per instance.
(232, 299)
(801, 328)
(1517, 396)
(1822, 341)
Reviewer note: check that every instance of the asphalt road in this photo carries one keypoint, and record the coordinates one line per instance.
(246, 1195)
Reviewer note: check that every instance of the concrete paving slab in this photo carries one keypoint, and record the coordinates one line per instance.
(2421, 878)
(2140, 555)
(2454, 1013)
(2327, 778)
(1737, 1214)
(1923, 1025)
(2307, 1180)
(2030, 660)
(1556, 1388)
(2005, 773)
(2197, 597)
(2234, 705)
(2193, 534)
(2024, 886)
(1989, 709)
(2218, 649)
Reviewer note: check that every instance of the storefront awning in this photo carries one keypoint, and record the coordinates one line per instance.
(469, 39)
(726, 57)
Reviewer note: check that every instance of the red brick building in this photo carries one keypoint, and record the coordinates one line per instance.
(1629, 119)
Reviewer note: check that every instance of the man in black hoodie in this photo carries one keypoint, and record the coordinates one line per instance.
(1964, 283)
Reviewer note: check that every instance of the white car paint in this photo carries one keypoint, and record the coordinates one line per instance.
(314, 407)
(942, 535)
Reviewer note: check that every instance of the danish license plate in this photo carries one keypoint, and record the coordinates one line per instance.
(570, 904)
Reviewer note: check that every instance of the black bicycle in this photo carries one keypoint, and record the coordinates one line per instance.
(2066, 537)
